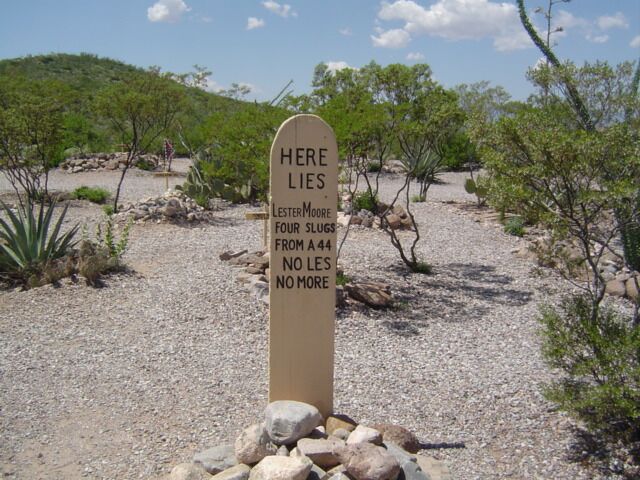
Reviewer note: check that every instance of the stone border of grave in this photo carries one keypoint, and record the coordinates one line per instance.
(171, 207)
(105, 161)
(294, 442)
(254, 275)
(620, 281)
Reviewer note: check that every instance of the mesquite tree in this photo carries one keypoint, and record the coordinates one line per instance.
(140, 108)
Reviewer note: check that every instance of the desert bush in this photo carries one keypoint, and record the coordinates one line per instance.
(365, 201)
(93, 194)
(30, 242)
(342, 279)
(599, 352)
(514, 226)
(106, 239)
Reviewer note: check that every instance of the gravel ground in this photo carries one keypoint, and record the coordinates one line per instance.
(127, 380)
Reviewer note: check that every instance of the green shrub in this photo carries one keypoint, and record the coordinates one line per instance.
(514, 226)
(342, 279)
(29, 243)
(418, 198)
(107, 241)
(144, 164)
(108, 210)
(374, 166)
(365, 201)
(422, 267)
(93, 194)
(599, 352)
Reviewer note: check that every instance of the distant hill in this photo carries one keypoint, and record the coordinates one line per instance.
(86, 74)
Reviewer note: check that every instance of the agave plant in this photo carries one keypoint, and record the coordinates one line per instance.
(28, 243)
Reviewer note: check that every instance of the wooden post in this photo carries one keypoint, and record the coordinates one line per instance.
(264, 216)
(302, 279)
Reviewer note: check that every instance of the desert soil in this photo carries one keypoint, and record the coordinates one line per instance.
(127, 380)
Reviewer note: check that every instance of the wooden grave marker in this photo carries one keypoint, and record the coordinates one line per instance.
(302, 279)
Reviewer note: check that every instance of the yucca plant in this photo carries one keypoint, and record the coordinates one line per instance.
(28, 243)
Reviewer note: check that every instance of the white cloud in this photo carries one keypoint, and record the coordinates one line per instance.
(210, 85)
(339, 65)
(346, 32)
(457, 20)
(597, 38)
(283, 10)
(253, 22)
(635, 42)
(396, 38)
(206, 19)
(415, 56)
(612, 21)
(167, 11)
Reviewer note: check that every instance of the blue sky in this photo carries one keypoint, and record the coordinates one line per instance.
(264, 43)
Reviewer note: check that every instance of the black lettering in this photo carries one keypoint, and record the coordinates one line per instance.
(291, 263)
(284, 281)
(320, 184)
(323, 157)
(284, 156)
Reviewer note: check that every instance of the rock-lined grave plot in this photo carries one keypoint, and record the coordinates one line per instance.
(294, 442)
(107, 161)
(254, 275)
(172, 207)
(397, 218)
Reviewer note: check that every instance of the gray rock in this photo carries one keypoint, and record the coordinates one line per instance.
(412, 471)
(631, 289)
(401, 455)
(253, 445)
(398, 435)
(370, 294)
(287, 421)
(281, 468)
(188, 471)
(229, 254)
(364, 434)
(340, 421)
(239, 472)
(317, 473)
(366, 461)
(321, 451)
(216, 459)
(616, 288)
(394, 221)
(341, 433)
(282, 451)
(434, 469)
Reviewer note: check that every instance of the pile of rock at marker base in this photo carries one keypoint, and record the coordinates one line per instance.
(294, 443)
(106, 161)
(255, 277)
(174, 207)
(397, 218)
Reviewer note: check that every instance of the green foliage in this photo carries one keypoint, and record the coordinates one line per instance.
(423, 268)
(31, 119)
(106, 239)
(514, 226)
(458, 152)
(108, 210)
(93, 194)
(31, 242)
(472, 187)
(374, 166)
(597, 350)
(418, 198)
(342, 279)
(144, 164)
(365, 201)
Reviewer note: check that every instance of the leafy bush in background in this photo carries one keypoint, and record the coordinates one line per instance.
(365, 201)
(599, 353)
(93, 194)
(514, 226)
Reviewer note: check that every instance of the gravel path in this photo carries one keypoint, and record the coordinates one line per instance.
(128, 380)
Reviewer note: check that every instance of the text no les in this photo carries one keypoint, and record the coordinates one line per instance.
(305, 157)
